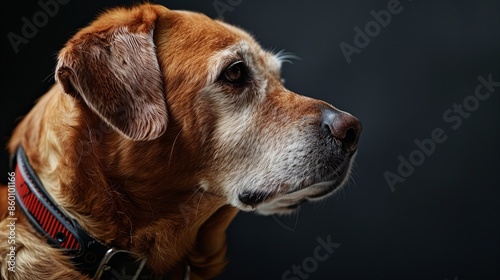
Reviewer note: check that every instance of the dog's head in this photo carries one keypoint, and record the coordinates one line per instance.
(148, 70)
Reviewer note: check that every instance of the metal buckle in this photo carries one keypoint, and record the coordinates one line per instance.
(107, 267)
(187, 272)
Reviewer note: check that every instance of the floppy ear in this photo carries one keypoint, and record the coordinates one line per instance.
(112, 66)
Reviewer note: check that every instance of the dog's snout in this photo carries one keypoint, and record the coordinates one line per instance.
(343, 126)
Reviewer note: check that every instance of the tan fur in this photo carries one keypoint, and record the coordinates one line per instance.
(139, 144)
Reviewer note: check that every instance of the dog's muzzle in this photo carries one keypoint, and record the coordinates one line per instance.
(342, 130)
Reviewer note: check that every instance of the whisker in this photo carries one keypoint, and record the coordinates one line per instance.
(194, 193)
(287, 57)
(199, 201)
(172, 149)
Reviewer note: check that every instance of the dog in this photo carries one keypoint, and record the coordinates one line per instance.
(161, 126)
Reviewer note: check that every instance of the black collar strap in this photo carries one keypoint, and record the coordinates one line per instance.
(91, 256)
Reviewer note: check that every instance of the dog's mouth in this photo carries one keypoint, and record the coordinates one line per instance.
(278, 203)
(285, 199)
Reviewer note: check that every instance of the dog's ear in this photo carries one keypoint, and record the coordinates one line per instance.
(112, 65)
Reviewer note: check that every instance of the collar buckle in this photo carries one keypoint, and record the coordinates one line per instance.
(119, 264)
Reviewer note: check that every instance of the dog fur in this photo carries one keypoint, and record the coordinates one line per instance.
(150, 151)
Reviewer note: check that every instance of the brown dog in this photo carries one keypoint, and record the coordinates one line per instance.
(162, 124)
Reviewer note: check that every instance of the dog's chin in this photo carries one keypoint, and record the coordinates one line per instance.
(290, 202)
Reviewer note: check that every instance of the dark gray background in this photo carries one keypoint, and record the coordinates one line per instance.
(442, 222)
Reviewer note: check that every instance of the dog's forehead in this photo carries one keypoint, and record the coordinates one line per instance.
(248, 44)
(207, 38)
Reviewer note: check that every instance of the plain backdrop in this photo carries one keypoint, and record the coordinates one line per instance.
(442, 221)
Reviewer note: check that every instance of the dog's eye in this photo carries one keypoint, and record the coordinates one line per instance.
(236, 73)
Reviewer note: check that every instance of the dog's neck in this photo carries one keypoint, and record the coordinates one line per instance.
(124, 193)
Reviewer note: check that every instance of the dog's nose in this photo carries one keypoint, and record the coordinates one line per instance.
(343, 126)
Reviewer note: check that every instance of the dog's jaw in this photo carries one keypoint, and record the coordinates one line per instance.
(282, 202)
(289, 203)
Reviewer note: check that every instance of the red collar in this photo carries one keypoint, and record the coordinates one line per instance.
(41, 211)
(89, 255)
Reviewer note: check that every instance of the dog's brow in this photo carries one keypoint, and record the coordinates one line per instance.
(217, 62)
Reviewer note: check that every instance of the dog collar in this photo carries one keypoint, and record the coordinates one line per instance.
(90, 256)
